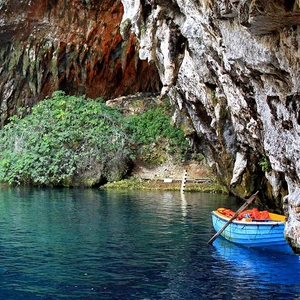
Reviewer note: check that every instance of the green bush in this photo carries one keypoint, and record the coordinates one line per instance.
(74, 141)
(64, 136)
(154, 126)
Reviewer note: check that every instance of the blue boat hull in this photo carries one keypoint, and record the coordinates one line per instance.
(264, 234)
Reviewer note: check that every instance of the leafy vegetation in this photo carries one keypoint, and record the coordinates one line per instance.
(153, 128)
(64, 136)
(265, 164)
(68, 140)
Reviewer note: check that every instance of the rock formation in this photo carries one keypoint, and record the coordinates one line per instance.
(71, 45)
(232, 69)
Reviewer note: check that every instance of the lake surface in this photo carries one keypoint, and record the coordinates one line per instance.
(92, 244)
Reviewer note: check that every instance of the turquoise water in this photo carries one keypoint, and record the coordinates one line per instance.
(92, 244)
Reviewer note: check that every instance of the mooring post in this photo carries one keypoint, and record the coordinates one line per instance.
(184, 176)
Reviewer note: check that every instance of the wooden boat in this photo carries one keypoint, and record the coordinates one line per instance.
(265, 232)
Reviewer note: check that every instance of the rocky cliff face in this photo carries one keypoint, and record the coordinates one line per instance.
(232, 69)
(72, 45)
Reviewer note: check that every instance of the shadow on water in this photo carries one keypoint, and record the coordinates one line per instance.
(269, 267)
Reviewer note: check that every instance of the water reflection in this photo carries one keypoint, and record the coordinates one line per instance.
(269, 267)
(183, 205)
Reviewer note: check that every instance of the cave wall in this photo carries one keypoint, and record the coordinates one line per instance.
(232, 68)
(71, 45)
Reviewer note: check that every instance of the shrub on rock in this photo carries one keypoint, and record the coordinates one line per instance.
(65, 141)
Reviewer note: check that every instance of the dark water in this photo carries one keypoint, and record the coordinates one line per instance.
(90, 244)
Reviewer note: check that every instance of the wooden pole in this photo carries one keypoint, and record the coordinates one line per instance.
(242, 208)
(183, 182)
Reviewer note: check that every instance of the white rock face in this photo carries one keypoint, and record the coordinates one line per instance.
(239, 167)
(232, 68)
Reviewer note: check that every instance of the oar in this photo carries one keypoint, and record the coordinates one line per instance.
(242, 208)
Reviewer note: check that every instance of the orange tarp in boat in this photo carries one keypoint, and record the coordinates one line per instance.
(250, 213)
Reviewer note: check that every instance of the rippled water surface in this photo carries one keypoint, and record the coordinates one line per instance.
(91, 244)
